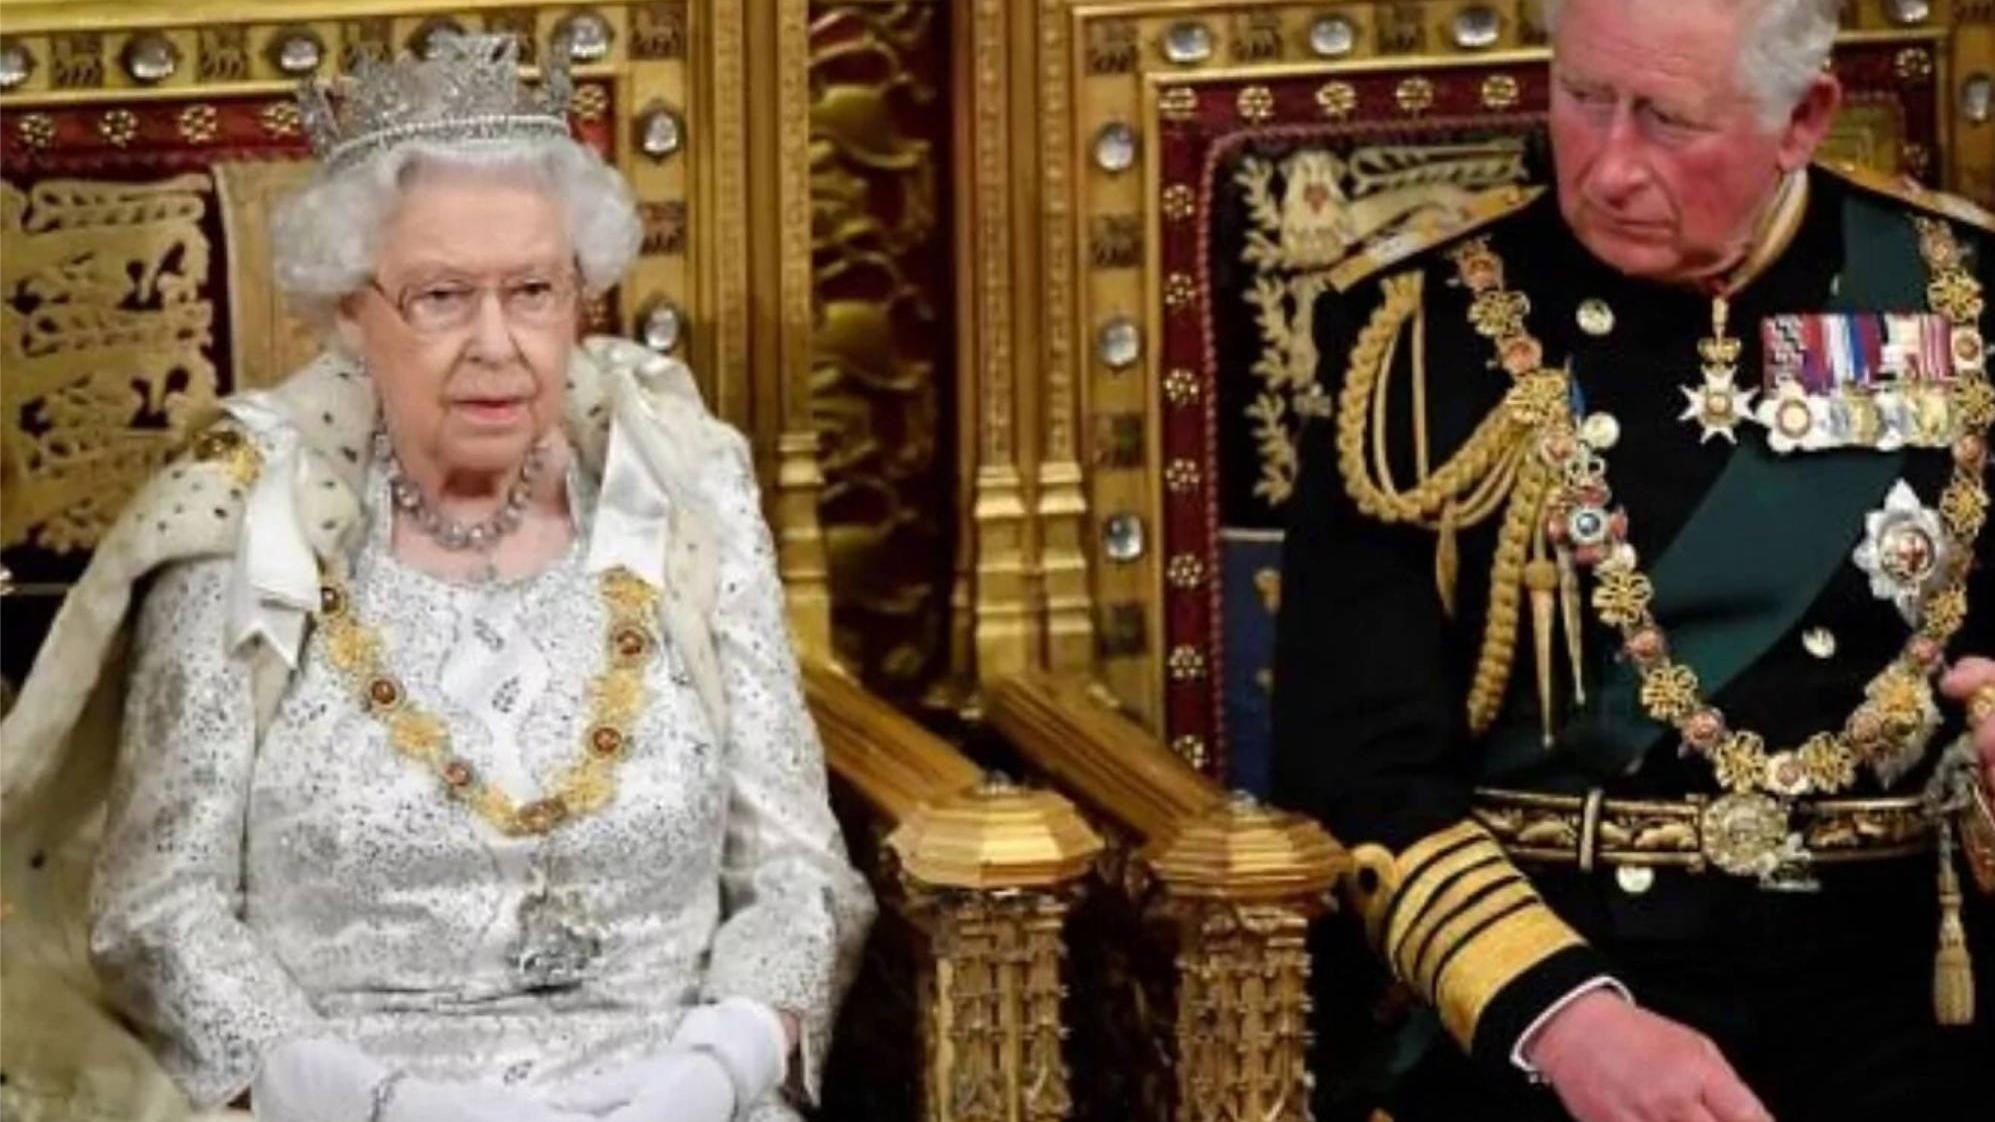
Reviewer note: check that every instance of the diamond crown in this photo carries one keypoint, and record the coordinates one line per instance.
(465, 89)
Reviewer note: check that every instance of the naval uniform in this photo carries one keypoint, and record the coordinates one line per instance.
(1532, 826)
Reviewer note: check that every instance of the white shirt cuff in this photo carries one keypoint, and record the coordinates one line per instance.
(1531, 1031)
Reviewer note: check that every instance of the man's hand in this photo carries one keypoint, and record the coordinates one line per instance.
(1611, 1061)
(1969, 676)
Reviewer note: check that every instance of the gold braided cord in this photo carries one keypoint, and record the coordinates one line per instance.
(1370, 363)
(1506, 578)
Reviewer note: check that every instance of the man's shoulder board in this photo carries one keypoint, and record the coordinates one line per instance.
(1912, 193)
(1383, 253)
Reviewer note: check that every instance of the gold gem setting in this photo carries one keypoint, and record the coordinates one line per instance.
(1748, 828)
(615, 695)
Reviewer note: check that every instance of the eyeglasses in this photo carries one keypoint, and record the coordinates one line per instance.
(439, 307)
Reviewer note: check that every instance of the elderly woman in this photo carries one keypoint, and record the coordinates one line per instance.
(464, 772)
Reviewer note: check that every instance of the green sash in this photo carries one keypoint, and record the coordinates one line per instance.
(1768, 535)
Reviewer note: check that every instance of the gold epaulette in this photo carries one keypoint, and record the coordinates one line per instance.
(1912, 193)
(1383, 253)
(1456, 920)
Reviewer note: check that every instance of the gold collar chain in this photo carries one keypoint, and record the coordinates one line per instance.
(616, 698)
(1747, 829)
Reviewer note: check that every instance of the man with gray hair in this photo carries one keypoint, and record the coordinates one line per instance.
(1635, 651)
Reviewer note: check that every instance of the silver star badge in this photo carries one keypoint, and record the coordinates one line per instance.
(1905, 550)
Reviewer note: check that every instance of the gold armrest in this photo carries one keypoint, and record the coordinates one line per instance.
(1238, 883)
(986, 873)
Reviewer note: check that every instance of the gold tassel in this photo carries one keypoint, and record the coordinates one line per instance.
(1447, 559)
(1541, 577)
(1953, 969)
(1575, 636)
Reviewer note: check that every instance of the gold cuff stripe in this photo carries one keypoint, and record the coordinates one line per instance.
(1486, 959)
(1424, 966)
(1457, 890)
(1419, 891)
(1433, 857)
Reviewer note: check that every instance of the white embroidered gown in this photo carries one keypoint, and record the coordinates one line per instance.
(318, 883)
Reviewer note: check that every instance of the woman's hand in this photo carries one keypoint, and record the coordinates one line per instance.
(1611, 1061)
(724, 1055)
(1971, 676)
(674, 1086)
(325, 1080)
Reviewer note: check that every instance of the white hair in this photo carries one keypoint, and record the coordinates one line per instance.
(326, 236)
(1782, 51)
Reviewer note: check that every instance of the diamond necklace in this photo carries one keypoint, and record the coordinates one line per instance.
(456, 536)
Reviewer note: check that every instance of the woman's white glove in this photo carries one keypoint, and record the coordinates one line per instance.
(725, 1057)
(323, 1080)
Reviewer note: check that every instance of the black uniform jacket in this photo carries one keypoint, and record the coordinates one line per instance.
(1371, 670)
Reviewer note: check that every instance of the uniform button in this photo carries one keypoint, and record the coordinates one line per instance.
(1634, 879)
(1819, 641)
(1595, 317)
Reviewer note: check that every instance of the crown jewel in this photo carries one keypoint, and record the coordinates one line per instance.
(465, 90)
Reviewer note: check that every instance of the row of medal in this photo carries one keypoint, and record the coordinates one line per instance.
(1861, 380)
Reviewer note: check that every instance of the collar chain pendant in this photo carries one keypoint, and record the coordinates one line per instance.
(1717, 404)
(1749, 829)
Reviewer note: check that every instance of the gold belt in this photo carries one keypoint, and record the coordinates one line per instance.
(1592, 830)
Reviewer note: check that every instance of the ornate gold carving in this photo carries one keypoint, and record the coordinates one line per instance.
(365, 39)
(1118, 440)
(1242, 1014)
(1066, 590)
(1238, 883)
(894, 764)
(878, 344)
(107, 361)
(991, 998)
(657, 31)
(995, 836)
(222, 53)
(1402, 28)
(1115, 241)
(664, 226)
(79, 60)
(1257, 37)
(1123, 631)
(521, 23)
(1112, 46)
